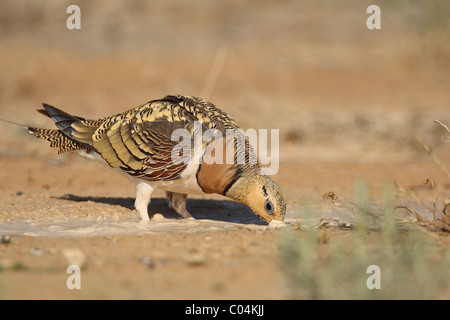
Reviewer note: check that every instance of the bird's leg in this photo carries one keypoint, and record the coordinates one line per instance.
(177, 201)
(169, 196)
(143, 195)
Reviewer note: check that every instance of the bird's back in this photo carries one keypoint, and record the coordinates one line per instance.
(138, 141)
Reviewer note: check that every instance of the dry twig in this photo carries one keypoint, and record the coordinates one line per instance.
(434, 156)
(446, 128)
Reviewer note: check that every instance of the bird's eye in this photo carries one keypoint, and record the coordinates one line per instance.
(269, 207)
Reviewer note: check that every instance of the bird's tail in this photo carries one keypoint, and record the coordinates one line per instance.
(62, 137)
(62, 119)
(58, 140)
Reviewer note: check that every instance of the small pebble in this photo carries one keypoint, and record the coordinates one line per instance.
(37, 251)
(74, 256)
(6, 239)
(148, 262)
(195, 260)
(277, 224)
(157, 217)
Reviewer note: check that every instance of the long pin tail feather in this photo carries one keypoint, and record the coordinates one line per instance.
(29, 128)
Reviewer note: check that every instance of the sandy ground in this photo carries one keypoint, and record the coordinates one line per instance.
(350, 105)
(77, 213)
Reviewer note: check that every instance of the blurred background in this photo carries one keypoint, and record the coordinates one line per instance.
(350, 104)
(336, 89)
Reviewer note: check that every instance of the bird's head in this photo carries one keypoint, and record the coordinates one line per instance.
(261, 194)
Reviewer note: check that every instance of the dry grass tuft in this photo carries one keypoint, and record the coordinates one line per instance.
(324, 262)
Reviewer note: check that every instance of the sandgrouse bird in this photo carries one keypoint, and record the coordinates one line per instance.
(139, 143)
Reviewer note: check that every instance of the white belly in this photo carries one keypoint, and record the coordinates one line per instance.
(182, 185)
(186, 184)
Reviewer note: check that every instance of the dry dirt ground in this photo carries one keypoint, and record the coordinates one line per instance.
(350, 105)
(72, 211)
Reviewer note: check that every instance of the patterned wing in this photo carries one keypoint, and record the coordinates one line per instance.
(138, 141)
(58, 140)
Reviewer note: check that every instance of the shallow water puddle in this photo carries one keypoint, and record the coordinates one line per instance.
(105, 227)
(221, 218)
